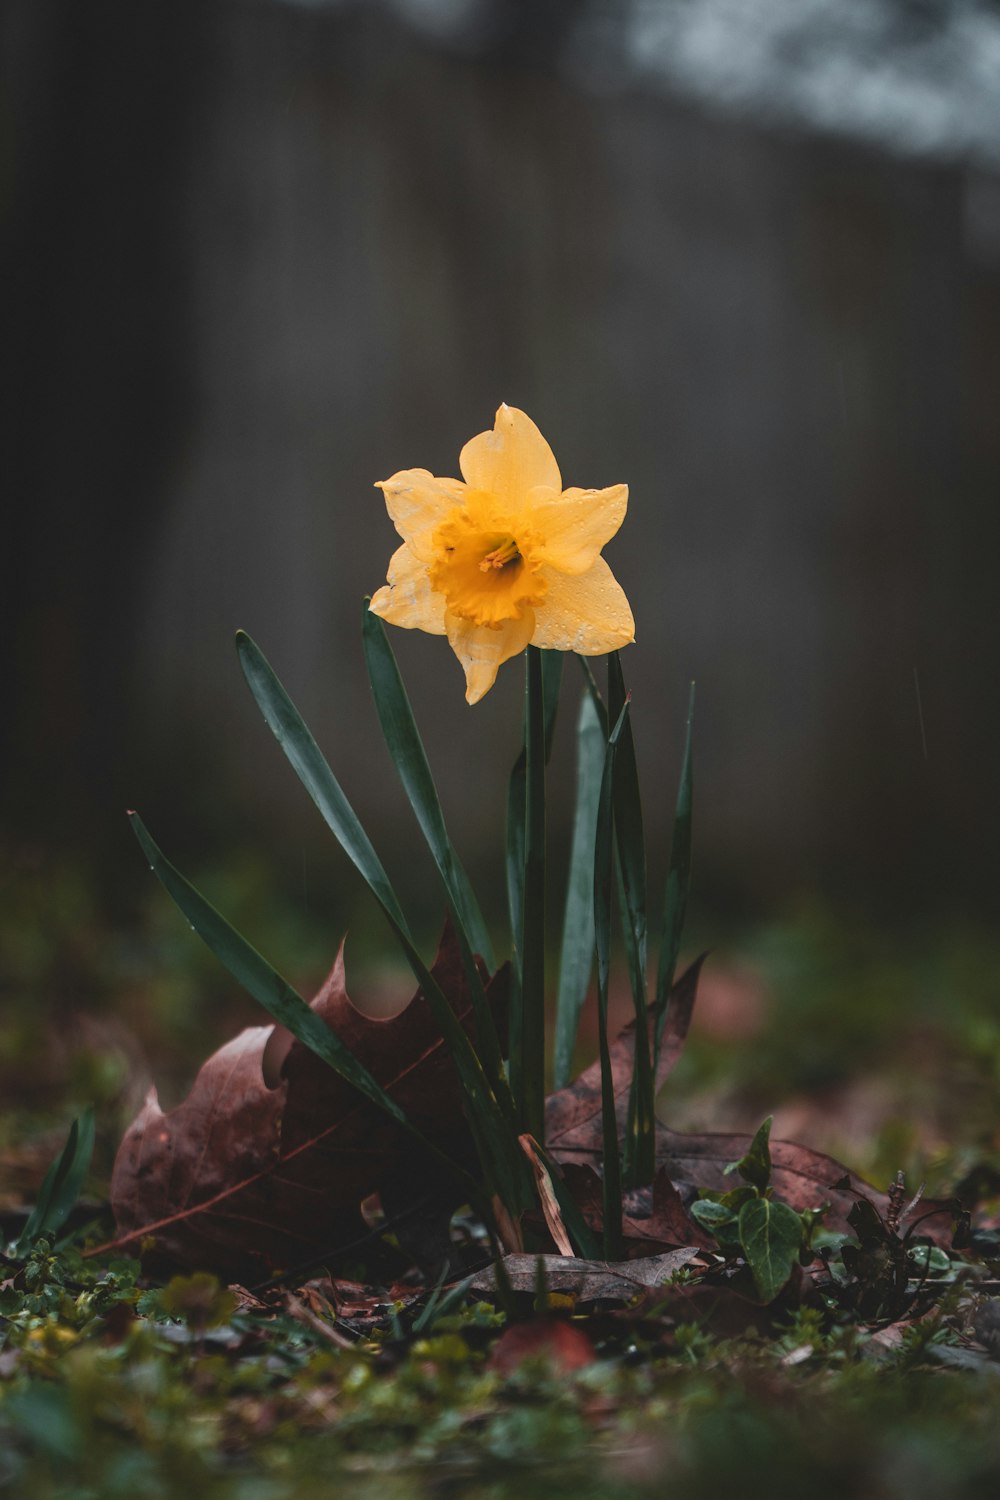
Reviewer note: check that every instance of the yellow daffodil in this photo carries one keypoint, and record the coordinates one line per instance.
(505, 557)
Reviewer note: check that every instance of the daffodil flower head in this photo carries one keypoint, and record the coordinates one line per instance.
(504, 557)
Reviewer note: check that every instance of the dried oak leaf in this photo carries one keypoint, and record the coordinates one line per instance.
(801, 1176)
(265, 1163)
(653, 1218)
(573, 1128)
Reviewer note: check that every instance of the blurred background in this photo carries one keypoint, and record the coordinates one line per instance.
(742, 254)
(745, 257)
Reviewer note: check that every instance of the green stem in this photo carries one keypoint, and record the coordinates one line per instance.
(531, 1030)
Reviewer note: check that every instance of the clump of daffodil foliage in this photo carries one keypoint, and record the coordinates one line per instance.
(503, 561)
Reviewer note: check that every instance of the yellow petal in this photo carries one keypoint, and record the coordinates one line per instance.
(574, 526)
(511, 460)
(584, 612)
(482, 650)
(408, 599)
(417, 501)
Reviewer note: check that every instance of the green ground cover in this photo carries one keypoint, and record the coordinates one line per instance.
(884, 1049)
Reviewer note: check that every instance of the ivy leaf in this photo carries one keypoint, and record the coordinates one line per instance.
(770, 1236)
(755, 1166)
(719, 1220)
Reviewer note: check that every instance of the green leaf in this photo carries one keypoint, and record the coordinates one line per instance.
(710, 1213)
(770, 1237)
(406, 748)
(552, 670)
(514, 869)
(595, 693)
(260, 980)
(576, 960)
(678, 885)
(286, 724)
(929, 1260)
(736, 1197)
(629, 837)
(530, 1030)
(504, 1165)
(604, 860)
(867, 1223)
(755, 1167)
(62, 1184)
(640, 1140)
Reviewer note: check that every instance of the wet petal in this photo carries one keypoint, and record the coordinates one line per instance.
(574, 526)
(483, 650)
(584, 612)
(408, 599)
(417, 501)
(511, 460)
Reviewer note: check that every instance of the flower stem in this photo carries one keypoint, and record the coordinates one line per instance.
(531, 1028)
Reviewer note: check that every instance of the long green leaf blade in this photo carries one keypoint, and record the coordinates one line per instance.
(409, 757)
(286, 724)
(552, 670)
(629, 837)
(678, 881)
(576, 961)
(531, 1098)
(603, 896)
(639, 1165)
(62, 1183)
(506, 1172)
(258, 978)
(514, 869)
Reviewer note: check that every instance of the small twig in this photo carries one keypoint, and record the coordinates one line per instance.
(303, 1314)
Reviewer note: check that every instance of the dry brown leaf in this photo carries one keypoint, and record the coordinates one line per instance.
(546, 1197)
(246, 1179)
(588, 1280)
(573, 1129)
(804, 1178)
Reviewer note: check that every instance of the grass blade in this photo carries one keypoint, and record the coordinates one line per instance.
(577, 957)
(678, 883)
(62, 1184)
